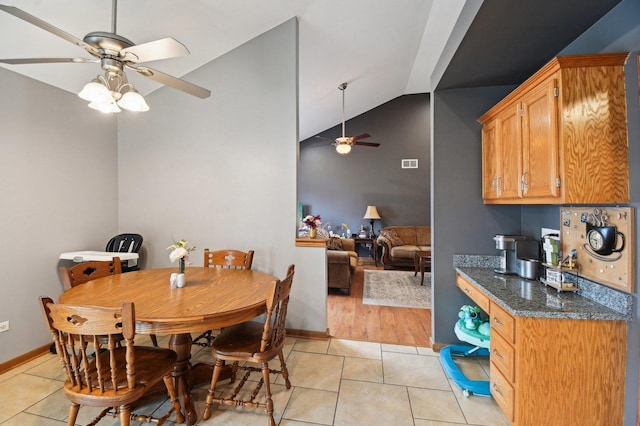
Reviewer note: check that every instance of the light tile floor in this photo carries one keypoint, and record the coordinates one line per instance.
(334, 382)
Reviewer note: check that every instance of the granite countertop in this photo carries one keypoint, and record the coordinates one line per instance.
(531, 298)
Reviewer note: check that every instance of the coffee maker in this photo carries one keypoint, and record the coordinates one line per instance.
(520, 255)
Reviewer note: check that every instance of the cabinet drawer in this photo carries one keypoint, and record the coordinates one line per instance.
(473, 292)
(503, 323)
(502, 392)
(503, 356)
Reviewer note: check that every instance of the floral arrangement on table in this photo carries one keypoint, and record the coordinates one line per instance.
(180, 251)
(313, 222)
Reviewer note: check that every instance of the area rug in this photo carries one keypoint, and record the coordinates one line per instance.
(396, 288)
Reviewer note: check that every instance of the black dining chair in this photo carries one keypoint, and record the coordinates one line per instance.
(126, 243)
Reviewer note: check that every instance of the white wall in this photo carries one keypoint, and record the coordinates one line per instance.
(58, 175)
(221, 172)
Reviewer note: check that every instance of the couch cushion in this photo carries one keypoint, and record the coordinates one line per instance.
(392, 236)
(423, 235)
(334, 243)
(406, 233)
(406, 251)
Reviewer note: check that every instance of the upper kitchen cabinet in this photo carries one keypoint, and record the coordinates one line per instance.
(560, 137)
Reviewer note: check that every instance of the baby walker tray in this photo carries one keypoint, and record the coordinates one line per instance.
(480, 347)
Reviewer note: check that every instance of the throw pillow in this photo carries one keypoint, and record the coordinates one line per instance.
(335, 243)
(392, 236)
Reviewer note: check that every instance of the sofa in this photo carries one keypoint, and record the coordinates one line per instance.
(399, 244)
(342, 260)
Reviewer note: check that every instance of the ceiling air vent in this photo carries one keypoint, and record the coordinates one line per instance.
(410, 163)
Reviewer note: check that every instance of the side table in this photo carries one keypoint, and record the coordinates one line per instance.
(421, 260)
(372, 242)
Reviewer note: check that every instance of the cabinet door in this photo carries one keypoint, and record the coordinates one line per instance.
(490, 173)
(510, 166)
(540, 141)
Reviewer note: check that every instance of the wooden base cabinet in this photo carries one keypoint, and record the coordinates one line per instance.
(560, 137)
(547, 371)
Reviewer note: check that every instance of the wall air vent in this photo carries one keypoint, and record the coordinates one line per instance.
(410, 163)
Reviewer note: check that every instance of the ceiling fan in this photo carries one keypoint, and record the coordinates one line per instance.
(344, 143)
(114, 53)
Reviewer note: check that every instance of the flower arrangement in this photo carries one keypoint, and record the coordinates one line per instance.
(180, 251)
(312, 222)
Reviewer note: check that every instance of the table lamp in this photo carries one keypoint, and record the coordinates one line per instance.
(371, 214)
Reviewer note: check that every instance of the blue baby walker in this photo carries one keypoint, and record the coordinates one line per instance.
(471, 329)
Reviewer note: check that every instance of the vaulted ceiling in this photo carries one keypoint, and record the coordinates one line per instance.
(382, 48)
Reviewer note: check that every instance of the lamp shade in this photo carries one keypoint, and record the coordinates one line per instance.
(108, 107)
(133, 101)
(94, 91)
(343, 148)
(371, 213)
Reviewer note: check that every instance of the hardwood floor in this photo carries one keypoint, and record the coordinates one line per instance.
(348, 318)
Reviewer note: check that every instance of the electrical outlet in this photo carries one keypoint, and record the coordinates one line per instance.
(4, 326)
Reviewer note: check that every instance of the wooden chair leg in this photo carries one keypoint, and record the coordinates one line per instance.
(125, 415)
(73, 414)
(154, 340)
(267, 390)
(285, 372)
(214, 380)
(173, 396)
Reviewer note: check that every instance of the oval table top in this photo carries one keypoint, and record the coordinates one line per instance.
(212, 297)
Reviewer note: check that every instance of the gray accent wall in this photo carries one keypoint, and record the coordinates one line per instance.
(58, 191)
(340, 187)
(461, 223)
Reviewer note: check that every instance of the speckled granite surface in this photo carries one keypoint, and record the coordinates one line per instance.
(531, 298)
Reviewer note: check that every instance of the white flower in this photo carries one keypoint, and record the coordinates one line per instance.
(178, 253)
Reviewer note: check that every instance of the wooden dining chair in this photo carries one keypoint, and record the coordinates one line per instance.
(87, 271)
(91, 270)
(103, 374)
(230, 259)
(254, 343)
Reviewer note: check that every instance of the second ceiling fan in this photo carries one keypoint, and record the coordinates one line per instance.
(344, 143)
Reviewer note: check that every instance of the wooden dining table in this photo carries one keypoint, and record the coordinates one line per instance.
(212, 298)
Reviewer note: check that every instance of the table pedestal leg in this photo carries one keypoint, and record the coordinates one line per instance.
(181, 344)
(186, 376)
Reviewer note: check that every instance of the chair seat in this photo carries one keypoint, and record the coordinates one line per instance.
(239, 340)
(151, 364)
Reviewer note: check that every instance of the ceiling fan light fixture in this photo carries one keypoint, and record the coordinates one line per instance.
(95, 91)
(343, 148)
(107, 107)
(132, 100)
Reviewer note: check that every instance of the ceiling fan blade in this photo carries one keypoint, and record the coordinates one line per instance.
(47, 61)
(361, 136)
(367, 144)
(155, 50)
(172, 81)
(18, 13)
